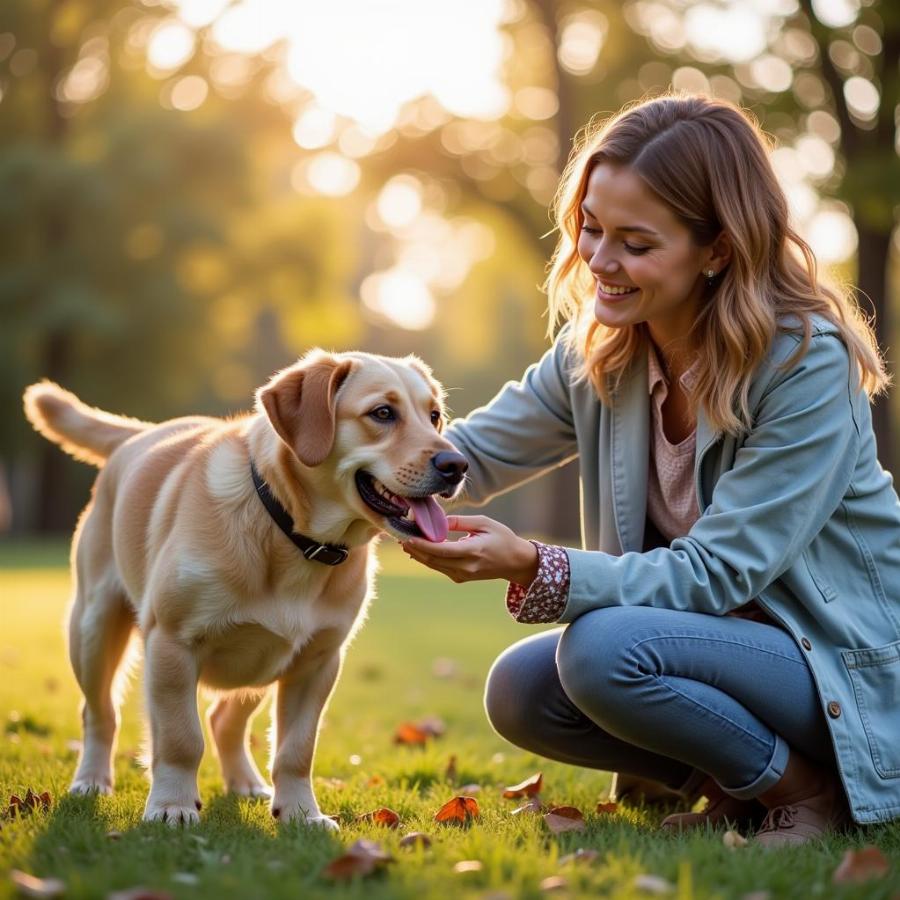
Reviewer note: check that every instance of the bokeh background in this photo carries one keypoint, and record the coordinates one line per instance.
(195, 192)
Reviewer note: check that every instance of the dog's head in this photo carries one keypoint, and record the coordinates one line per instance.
(376, 422)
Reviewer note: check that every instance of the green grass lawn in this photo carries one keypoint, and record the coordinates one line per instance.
(391, 676)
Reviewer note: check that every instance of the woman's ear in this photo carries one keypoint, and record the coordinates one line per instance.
(719, 253)
(300, 403)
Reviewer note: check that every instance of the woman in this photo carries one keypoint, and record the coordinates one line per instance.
(733, 627)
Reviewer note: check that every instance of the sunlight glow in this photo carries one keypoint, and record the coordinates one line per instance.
(401, 297)
(735, 32)
(364, 61)
(326, 173)
(171, 45)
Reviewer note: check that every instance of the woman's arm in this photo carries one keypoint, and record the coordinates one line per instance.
(787, 480)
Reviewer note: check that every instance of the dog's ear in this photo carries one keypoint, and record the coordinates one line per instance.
(300, 404)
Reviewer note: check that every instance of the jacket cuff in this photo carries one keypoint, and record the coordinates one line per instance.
(545, 598)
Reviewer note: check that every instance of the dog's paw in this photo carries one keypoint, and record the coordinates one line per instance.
(299, 816)
(172, 814)
(254, 789)
(91, 784)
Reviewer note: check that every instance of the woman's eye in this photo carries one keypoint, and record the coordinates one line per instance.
(588, 230)
(637, 251)
(383, 414)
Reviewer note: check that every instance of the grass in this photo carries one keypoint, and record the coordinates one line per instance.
(238, 851)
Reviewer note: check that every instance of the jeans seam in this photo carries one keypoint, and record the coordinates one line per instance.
(711, 640)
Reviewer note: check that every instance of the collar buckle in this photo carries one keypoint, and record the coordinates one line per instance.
(323, 553)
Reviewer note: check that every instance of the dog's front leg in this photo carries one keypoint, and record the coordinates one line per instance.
(300, 699)
(171, 677)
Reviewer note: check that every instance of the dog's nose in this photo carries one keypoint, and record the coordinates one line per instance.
(451, 465)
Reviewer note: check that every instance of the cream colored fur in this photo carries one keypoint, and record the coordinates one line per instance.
(176, 545)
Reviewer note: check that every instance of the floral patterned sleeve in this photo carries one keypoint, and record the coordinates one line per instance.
(545, 598)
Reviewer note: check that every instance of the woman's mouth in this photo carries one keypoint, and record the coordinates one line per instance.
(614, 291)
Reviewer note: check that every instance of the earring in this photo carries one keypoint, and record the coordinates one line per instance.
(710, 275)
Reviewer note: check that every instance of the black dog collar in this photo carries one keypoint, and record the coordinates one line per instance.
(328, 554)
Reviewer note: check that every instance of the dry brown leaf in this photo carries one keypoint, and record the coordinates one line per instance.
(458, 811)
(533, 805)
(31, 886)
(382, 816)
(32, 801)
(432, 725)
(415, 839)
(362, 858)
(468, 865)
(564, 818)
(450, 771)
(553, 883)
(527, 788)
(732, 840)
(857, 866)
(581, 855)
(607, 807)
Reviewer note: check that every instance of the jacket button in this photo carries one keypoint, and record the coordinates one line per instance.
(834, 709)
(804, 642)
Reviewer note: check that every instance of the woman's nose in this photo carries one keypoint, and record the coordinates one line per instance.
(602, 263)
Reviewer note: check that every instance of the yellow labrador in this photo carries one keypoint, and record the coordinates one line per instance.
(240, 551)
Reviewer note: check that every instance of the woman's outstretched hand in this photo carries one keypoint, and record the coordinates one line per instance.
(488, 550)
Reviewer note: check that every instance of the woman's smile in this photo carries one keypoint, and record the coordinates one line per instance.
(608, 291)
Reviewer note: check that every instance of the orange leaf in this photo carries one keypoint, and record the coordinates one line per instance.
(862, 865)
(362, 858)
(564, 818)
(410, 733)
(383, 816)
(607, 807)
(375, 781)
(527, 788)
(458, 811)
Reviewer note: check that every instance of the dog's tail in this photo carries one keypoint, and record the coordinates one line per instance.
(86, 433)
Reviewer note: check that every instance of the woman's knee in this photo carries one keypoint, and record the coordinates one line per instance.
(518, 681)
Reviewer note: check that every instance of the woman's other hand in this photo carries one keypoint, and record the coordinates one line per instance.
(487, 550)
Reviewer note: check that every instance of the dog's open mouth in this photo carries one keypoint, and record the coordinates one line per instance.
(415, 516)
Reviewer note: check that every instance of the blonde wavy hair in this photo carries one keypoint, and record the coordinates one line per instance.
(707, 160)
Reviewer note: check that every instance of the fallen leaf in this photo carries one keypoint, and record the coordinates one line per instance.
(564, 818)
(858, 866)
(383, 816)
(607, 808)
(527, 788)
(114, 835)
(468, 865)
(732, 840)
(19, 806)
(362, 858)
(415, 839)
(375, 781)
(581, 855)
(433, 726)
(458, 811)
(533, 805)
(470, 789)
(652, 884)
(553, 883)
(30, 886)
(410, 733)
(450, 771)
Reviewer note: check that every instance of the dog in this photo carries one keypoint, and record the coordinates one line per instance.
(240, 551)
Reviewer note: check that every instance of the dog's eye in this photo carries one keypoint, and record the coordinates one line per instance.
(383, 414)
(435, 418)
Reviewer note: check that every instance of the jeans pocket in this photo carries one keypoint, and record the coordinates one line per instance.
(875, 675)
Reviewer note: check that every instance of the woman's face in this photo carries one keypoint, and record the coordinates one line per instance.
(645, 263)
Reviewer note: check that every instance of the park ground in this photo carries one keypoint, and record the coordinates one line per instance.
(423, 653)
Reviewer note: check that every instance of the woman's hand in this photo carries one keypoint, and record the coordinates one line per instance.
(488, 550)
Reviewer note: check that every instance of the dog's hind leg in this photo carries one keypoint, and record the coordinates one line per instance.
(100, 624)
(228, 719)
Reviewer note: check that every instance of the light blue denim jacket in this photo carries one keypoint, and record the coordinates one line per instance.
(796, 513)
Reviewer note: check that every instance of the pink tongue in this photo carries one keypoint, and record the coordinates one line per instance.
(430, 518)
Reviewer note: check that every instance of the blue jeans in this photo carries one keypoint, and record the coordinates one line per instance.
(662, 694)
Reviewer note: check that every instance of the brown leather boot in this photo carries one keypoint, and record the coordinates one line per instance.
(805, 805)
(721, 810)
